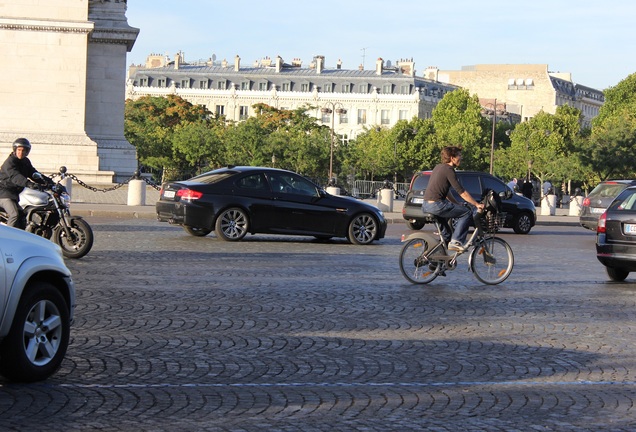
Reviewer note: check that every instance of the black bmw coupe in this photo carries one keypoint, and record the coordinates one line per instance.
(234, 201)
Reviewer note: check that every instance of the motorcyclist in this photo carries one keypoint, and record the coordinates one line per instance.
(16, 173)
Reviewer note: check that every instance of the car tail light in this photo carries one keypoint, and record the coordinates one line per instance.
(189, 194)
(600, 228)
(586, 201)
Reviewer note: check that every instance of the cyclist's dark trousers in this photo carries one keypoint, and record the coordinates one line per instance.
(448, 210)
(15, 215)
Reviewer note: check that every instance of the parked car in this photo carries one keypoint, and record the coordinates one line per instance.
(37, 301)
(234, 201)
(521, 214)
(599, 199)
(616, 236)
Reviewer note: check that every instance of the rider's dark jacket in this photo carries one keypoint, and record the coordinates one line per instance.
(14, 176)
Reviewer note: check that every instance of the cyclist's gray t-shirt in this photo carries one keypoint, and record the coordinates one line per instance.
(443, 177)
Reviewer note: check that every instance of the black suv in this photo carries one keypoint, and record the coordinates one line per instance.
(521, 214)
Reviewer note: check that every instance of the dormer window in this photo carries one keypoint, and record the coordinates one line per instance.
(263, 85)
(221, 84)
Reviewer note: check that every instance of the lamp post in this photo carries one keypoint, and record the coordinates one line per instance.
(492, 138)
(332, 108)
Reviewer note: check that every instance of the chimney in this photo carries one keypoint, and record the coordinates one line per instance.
(224, 63)
(379, 66)
(237, 63)
(177, 60)
(320, 64)
(339, 64)
(279, 64)
(297, 62)
(361, 67)
(407, 67)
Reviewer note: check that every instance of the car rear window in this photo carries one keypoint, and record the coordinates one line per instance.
(625, 201)
(212, 177)
(608, 190)
(421, 182)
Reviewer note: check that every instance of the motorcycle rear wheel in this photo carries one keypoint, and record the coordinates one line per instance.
(80, 241)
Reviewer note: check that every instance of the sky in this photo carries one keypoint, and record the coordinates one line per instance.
(591, 39)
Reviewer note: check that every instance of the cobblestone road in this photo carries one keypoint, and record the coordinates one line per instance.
(287, 334)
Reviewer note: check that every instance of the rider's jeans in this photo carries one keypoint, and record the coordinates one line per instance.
(447, 210)
(14, 213)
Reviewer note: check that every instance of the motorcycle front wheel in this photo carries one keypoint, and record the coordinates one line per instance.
(80, 240)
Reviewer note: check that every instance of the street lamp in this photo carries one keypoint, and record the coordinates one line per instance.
(492, 138)
(336, 107)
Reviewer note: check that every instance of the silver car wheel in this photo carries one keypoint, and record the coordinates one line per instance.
(42, 332)
(363, 229)
(232, 224)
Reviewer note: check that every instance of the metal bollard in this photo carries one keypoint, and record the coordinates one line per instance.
(137, 193)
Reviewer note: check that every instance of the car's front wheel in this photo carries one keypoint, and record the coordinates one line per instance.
(363, 229)
(232, 224)
(37, 342)
(522, 223)
(616, 274)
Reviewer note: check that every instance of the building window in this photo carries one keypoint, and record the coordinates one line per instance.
(161, 82)
(203, 84)
(143, 82)
(286, 86)
(346, 88)
(387, 88)
(385, 118)
(327, 88)
(245, 85)
(405, 89)
(362, 116)
(262, 86)
(404, 114)
(363, 88)
(244, 112)
(220, 110)
(185, 83)
(304, 87)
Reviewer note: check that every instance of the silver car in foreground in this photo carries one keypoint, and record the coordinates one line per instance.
(37, 301)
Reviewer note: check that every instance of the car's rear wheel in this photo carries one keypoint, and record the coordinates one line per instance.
(415, 225)
(39, 336)
(363, 229)
(197, 232)
(617, 274)
(232, 224)
(522, 223)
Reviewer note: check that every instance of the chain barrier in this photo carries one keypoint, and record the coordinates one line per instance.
(135, 176)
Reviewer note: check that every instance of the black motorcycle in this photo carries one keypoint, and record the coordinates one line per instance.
(47, 215)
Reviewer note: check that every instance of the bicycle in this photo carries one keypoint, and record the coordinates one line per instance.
(425, 256)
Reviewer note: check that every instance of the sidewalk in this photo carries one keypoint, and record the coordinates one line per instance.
(87, 203)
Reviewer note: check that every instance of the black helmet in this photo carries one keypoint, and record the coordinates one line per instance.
(22, 142)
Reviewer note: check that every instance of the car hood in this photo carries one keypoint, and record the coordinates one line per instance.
(347, 201)
(22, 245)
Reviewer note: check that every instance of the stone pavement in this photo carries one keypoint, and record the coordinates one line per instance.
(86, 202)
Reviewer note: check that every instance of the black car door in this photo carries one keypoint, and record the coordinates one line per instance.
(297, 205)
(254, 193)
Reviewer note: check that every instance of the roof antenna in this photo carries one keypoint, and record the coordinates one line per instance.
(364, 54)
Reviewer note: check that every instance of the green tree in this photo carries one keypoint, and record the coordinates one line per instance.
(458, 121)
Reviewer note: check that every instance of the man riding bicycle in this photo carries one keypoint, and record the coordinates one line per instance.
(438, 201)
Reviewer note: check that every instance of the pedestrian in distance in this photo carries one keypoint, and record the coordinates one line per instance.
(526, 188)
(16, 173)
(438, 200)
(512, 184)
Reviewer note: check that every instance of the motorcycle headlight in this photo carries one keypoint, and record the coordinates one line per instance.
(66, 199)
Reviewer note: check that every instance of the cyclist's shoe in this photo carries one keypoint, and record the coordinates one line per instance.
(456, 246)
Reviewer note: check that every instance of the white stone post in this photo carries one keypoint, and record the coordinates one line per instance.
(136, 193)
(386, 200)
(575, 205)
(333, 190)
(548, 205)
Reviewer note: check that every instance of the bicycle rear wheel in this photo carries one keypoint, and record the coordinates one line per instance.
(492, 260)
(414, 264)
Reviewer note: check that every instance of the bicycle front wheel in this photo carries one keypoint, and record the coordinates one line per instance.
(492, 260)
(414, 263)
